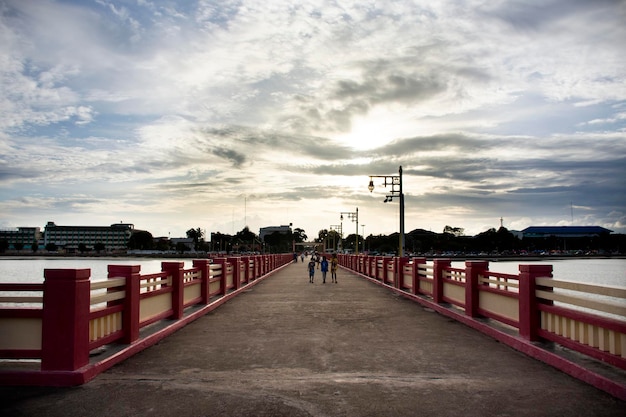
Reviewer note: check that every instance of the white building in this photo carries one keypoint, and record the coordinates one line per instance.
(112, 237)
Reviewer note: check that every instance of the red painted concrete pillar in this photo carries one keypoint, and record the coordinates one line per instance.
(366, 266)
(387, 265)
(256, 260)
(438, 267)
(245, 274)
(175, 269)
(415, 282)
(130, 316)
(205, 267)
(472, 270)
(379, 263)
(529, 315)
(65, 323)
(402, 261)
(224, 277)
(236, 263)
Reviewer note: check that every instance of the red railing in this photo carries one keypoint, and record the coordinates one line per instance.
(67, 317)
(589, 319)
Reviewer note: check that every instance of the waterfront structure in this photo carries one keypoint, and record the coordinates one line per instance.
(186, 241)
(61, 321)
(69, 238)
(565, 231)
(534, 307)
(266, 231)
(24, 236)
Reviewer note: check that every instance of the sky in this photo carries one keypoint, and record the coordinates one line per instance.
(224, 114)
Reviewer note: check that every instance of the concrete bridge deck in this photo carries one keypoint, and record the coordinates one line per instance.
(290, 348)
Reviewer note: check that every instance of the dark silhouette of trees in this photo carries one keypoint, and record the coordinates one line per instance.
(141, 240)
(197, 235)
(99, 247)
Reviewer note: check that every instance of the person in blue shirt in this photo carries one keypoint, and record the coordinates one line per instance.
(324, 269)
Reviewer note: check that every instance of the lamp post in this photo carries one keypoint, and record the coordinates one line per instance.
(396, 191)
(354, 216)
(363, 233)
(337, 229)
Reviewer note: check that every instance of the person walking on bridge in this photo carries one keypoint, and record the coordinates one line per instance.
(333, 268)
(324, 269)
(311, 269)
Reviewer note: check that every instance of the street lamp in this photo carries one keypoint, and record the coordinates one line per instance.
(354, 216)
(396, 191)
(337, 229)
(363, 233)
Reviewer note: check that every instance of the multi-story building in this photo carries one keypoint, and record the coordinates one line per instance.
(112, 237)
(264, 231)
(24, 236)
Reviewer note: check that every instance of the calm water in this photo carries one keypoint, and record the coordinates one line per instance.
(608, 272)
(594, 271)
(31, 270)
(611, 272)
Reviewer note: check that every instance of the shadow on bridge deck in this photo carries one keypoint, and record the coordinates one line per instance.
(290, 348)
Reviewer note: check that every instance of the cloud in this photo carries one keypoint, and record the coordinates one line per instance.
(150, 110)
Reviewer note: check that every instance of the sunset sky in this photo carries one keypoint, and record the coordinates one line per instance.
(174, 115)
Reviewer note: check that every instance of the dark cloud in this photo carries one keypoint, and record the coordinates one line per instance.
(396, 87)
(539, 15)
(9, 172)
(235, 157)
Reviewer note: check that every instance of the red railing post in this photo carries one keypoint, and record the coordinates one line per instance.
(438, 266)
(529, 315)
(223, 262)
(256, 259)
(236, 263)
(415, 282)
(245, 275)
(130, 317)
(384, 270)
(377, 272)
(65, 321)
(205, 273)
(175, 269)
(402, 261)
(364, 265)
(472, 270)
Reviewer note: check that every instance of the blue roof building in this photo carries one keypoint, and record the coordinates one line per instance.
(565, 231)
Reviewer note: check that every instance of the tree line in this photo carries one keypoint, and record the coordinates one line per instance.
(493, 241)
(417, 242)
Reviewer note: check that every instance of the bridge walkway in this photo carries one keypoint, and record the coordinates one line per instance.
(286, 347)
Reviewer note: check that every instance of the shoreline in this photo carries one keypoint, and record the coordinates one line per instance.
(490, 258)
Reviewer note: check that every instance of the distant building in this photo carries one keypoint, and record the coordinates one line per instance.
(264, 231)
(187, 241)
(113, 237)
(20, 235)
(565, 231)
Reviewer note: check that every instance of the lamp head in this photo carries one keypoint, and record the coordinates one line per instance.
(371, 186)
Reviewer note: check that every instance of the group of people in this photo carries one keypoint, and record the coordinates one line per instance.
(323, 266)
